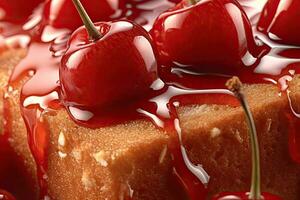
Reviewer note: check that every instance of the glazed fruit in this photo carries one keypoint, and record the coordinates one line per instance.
(64, 14)
(6, 196)
(16, 10)
(235, 86)
(243, 196)
(108, 64)
(213, 35)
(280, 21)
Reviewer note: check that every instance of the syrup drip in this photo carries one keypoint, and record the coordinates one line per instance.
(177, 87)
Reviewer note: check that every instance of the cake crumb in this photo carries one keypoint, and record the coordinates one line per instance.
(115, 154)
(131, 191)
(100, 157)
(76, 154)
(163, 154)
(215, 132)
(87, 181)
(238, 136)
(62, 154)
(269, 124)
(47, 198)
(61, 139)
(104, 188)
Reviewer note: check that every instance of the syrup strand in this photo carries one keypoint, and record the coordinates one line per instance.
(94, 34)
(235, 86)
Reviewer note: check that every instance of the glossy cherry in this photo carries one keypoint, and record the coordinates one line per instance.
(280, 20)
(63, 14)
(212, 35)
(243, 196)
(16, 10)
(115, 64)
(6, 196)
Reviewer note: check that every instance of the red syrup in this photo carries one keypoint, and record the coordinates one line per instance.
(243, 196)
(6, 196)
(63, 14)
(175, 87)
(13, 176)
(279, 21)
(16, 11)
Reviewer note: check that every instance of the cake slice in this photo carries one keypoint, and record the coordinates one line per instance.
(132, 159)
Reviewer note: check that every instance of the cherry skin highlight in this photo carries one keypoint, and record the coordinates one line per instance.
(212, 36)
(64, 14)
(6, 196)
(243, 196)
(118, 67)
(16, 10)
(280, 21)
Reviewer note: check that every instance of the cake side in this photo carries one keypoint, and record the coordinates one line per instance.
(220, 144)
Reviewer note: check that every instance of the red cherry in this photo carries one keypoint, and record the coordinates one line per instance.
(6, 196)
(212, 35)
(243, 196)
(63, 14)
(16, 10)
(107, 64)
(119, 66)
(280, 20)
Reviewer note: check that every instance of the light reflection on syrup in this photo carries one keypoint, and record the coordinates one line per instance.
(178, 87)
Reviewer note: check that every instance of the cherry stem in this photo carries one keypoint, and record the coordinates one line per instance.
(94, 34)
(235, 86)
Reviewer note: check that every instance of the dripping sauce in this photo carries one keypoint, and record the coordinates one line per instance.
(176, 87)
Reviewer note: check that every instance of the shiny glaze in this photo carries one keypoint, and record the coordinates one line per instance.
(243, 196)
(175, 86)
(17, 11)
(90, 66)
(209, 36)
(6, 196)
(279, 21)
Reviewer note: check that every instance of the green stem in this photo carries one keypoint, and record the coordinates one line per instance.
(235, 85)
(94, 34)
